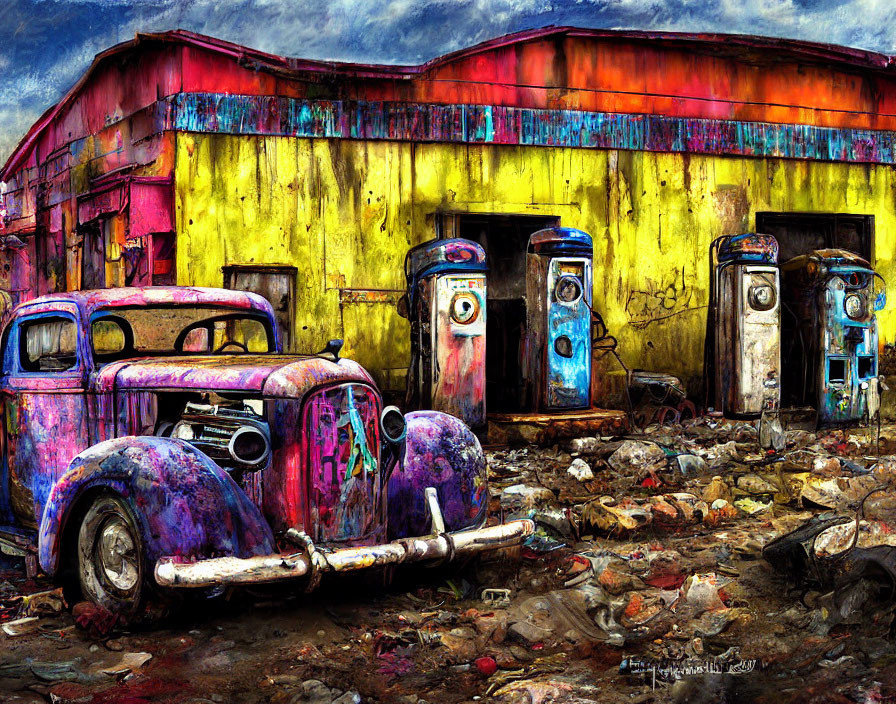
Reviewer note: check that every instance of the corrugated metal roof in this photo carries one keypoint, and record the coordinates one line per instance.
(717, 44)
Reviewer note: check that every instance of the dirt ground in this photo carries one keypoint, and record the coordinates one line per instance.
(658, 592)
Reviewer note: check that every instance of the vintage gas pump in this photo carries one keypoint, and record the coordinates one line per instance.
(557, 349)
(833, 359)
(445, 302)
(743, 342)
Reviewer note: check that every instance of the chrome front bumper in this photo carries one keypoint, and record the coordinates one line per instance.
(222, 571)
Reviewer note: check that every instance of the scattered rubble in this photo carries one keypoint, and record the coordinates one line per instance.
(684, 560)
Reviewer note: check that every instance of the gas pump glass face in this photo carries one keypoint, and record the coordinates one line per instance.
(568, 289)
(855, 306)
(761, 295)
(464, 308)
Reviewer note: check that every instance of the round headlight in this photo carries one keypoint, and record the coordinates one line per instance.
(393, 424)
(464, 308)
(568, 289)
(762, 297)
(249, 446)
(855, 306)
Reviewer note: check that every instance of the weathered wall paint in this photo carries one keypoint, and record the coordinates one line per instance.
(345, 212)
(495, 124)
(683, 75)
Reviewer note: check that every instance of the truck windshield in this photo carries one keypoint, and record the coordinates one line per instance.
(118, 332)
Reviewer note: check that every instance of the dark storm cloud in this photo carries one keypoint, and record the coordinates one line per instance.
(45, 45)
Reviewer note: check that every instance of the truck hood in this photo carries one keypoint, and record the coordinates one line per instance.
(283, 376)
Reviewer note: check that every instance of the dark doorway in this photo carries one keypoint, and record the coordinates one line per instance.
(505, 239)
(801, 233)
(798, 234)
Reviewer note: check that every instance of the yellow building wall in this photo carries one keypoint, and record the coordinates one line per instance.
(345, 213)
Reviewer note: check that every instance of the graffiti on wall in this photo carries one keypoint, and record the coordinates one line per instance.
(659, 300)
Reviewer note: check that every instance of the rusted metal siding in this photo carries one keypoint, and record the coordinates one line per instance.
(482, 131)
(695, 76)
(487, 124)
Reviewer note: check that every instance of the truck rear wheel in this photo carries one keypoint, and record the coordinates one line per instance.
(110, 557)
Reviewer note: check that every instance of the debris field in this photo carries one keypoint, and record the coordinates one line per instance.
(677, 564)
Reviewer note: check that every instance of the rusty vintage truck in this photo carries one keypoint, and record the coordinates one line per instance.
(157, 439)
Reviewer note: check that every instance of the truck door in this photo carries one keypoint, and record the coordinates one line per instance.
(44, 407)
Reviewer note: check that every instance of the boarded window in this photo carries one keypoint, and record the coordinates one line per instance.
(50, 248)
(48, 345)
(93, 255)
(277, 284)
(163, 271)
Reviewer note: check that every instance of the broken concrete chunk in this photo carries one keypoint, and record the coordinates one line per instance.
(316, 692)
(691, 464)
(527, 496)
(755, 484)
(633, 455)
(128, 663)
(579, 469)
(717, 489)
(584, 446)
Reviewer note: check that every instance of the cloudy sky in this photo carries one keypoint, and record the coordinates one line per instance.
(45, 45)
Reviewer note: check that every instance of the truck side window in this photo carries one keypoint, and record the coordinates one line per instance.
(48, 344)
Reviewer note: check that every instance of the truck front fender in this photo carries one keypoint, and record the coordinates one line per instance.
(185, 504)
(442, 452)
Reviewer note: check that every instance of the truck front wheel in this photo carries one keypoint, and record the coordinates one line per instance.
(110, 557)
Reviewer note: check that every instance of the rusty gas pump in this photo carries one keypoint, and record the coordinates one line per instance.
(832, 359)
(445, 302)
(743, 342)
(557, 349)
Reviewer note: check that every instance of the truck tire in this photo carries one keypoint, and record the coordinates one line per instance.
(110, 557)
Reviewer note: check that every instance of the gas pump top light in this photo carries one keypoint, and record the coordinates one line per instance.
(855, 306)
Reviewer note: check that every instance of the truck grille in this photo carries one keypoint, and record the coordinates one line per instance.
(342, 436)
